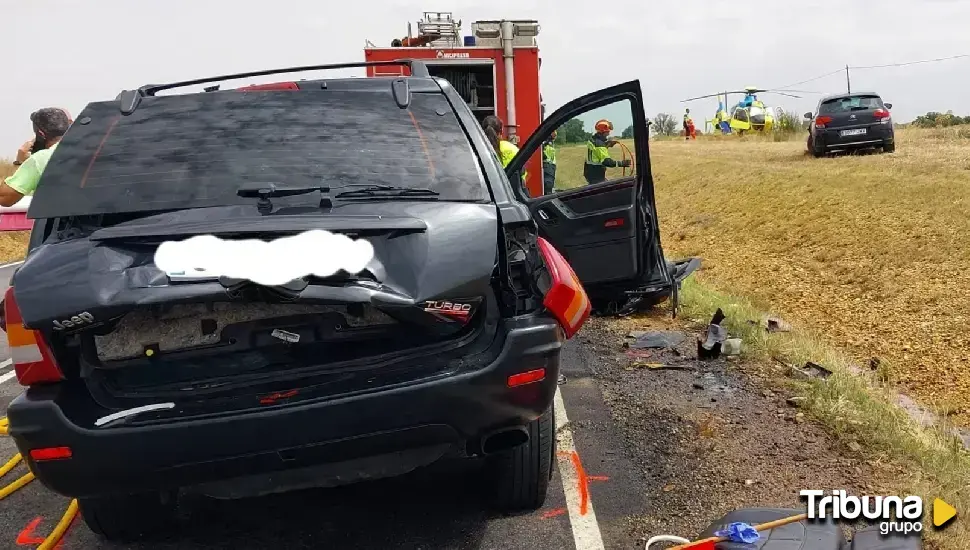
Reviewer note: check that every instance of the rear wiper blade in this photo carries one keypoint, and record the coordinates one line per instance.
(387, 191)
(266, 190)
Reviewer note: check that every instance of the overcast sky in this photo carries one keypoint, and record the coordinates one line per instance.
(70, 52)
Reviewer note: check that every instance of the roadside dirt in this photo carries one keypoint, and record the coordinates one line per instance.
(712, 436)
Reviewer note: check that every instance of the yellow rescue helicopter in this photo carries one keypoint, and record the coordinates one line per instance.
(749, 114)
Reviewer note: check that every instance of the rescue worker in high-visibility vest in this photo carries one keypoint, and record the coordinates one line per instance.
(598, 155)
(549, 165)
(504, 149)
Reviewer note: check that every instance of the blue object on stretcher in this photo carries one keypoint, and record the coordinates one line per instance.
(739, 532)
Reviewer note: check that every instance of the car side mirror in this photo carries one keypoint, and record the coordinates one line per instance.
(889, 105)
(808, 116)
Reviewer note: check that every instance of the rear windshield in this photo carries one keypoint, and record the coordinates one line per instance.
(851, 103)
(197, 150)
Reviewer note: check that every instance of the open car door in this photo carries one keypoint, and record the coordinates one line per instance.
(597, 206)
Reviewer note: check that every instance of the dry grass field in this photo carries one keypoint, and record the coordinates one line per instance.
(865, 254)
(868, 250)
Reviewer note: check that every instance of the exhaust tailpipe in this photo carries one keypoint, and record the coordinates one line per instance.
(504, 439)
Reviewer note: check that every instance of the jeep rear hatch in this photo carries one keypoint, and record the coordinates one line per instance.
(198, 150)
(118, 186)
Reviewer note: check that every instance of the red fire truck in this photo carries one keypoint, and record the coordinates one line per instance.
(495, 69)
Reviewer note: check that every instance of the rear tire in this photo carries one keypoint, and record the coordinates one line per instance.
(129, 517)
(816, 152)
(519, 477)
(889, 147)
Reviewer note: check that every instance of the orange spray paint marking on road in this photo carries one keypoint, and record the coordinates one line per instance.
(583, 483)
(553, 513)
(598, 478)
(28, 537)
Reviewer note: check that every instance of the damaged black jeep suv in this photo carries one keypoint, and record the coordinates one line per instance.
(142, 383)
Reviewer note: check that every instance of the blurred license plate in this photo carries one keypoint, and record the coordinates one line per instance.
(856, 132)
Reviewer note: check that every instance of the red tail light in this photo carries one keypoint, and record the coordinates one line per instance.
(32, 359)
(566, 298)
(880, 113)
(821, 121)
(273, 86)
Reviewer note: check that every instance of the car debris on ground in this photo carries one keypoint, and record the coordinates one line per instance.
(777, 324)
(710, 347)
(656, 339)
(812, 370)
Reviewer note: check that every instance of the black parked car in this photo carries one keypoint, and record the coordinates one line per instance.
(143, 383)
(851, 121)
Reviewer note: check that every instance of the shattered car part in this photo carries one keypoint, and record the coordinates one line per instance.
(710, 346)
(657, 339)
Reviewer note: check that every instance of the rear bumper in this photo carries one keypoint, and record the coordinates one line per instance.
(875, 136)
(360, 436)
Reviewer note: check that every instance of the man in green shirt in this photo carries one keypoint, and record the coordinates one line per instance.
(50, 125)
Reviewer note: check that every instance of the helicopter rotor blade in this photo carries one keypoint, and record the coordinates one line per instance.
(710, 95)
(760, 91)
(784, 94)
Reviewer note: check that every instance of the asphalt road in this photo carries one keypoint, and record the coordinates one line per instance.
(438, 507)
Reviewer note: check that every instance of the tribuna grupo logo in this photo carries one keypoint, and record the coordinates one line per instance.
(893, 513)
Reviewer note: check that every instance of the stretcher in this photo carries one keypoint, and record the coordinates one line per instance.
(784, 529)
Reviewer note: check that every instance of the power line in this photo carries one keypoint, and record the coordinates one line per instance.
(911, 62)
(809, 80)
(887, 65)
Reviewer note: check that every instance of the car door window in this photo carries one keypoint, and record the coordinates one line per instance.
(589, 191)
(595, 147)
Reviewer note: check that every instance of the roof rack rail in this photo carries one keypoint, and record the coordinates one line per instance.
(130, 99)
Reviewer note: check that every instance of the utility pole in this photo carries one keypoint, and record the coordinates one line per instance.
(848, 83)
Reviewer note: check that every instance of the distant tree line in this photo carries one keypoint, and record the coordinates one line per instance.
(933, 119)
(574, 131)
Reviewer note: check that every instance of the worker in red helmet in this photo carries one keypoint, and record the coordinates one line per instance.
(598, 154)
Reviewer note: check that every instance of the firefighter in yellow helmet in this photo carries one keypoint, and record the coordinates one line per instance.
(598, 154)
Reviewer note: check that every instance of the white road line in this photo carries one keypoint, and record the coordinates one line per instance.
(582, 518)
(7, 375)
(11, 264)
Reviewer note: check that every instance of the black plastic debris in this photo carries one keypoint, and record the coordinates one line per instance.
(776, 324)
(810, 370)
(710, 346)
(657, 339)
(817, 370)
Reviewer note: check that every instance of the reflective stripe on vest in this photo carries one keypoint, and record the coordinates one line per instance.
(549, 154)
(595, 155)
